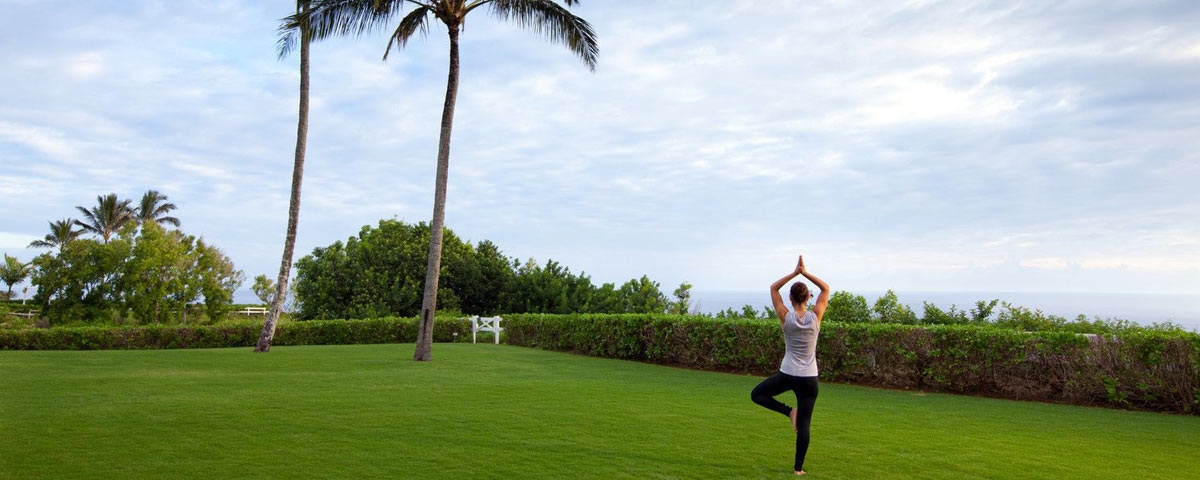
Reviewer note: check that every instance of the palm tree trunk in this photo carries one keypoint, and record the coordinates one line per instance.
(433, 268)
(289, 242)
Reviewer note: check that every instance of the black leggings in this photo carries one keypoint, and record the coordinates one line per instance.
(805, 389)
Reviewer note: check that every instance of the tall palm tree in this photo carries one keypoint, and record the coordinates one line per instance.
(61, 233)
(154, 208)
(340, 17)
(286, 42)
(107, 217)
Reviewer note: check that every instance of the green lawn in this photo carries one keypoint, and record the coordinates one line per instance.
(487, 411)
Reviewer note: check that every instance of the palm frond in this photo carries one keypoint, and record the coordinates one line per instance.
(61, 233)
(171, 220)
(328, 18)
(286, 42)
(412, 23)
(108, 216)
(89, 223)
(549, 18)
(154, 207)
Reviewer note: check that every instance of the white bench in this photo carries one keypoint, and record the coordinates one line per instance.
(253, 311)
(24, 314)
(486, 324)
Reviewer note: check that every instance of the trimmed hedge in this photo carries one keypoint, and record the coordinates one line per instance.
(324, 332)
(1147, 370)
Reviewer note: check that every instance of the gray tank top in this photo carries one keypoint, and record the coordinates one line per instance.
(800, 337)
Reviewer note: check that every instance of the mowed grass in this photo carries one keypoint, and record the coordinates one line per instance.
(487, 411)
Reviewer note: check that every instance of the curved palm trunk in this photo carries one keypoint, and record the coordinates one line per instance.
(289, 243)
(433, 268)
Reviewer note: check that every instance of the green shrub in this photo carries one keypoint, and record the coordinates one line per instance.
(1153, 370)
(245, 334)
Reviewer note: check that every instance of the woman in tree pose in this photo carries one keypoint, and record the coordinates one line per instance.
(798, 370)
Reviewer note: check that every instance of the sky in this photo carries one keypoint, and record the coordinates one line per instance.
(1015, 146)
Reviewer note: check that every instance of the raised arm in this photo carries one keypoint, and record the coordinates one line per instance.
(822, 298)
(781, 309)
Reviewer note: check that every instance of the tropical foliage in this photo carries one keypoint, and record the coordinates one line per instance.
(13, 272)
(149, 275)
(154, 208)
(61, 233)
(263, 288)
(328, 18)
(379, 272)
(107, 217)
(134, 271)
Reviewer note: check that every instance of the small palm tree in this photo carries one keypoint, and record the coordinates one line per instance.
(341, 17)
(154, 208)
(107, 217)
(61, 233)
(13, 272)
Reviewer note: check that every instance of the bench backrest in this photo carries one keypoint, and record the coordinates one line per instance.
(486, 324)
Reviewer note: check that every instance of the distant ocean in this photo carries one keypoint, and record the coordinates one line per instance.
(1183, 310)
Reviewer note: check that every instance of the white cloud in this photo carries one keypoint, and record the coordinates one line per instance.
(15, 241)
(916, 145)
(1047, 263)
(47, 142)
(85, 65)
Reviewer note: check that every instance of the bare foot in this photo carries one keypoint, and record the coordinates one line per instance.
(795, 428)
(800, 472)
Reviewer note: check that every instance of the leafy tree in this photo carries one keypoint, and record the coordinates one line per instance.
(937, 316)
(107, 217)
(982, 311)
(146, 275)
(538, 289)
(339, 17)
(152, 278)
(482, 280)
(379, 273)
(77, 283)
(1024, 319)
(747, 312)
(554, 289)
(888, 309)
(287, 41)
(217, 279)
(683, 300)
(847, 307)
(642, 296)
(61, 233)
(264, 288)
(324, 287)
(13, 272)
(605, 299)
(154, 209)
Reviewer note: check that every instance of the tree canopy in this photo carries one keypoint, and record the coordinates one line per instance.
(380, 272)
(134, 270)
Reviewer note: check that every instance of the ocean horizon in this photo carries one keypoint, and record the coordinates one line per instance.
(1141, 308)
